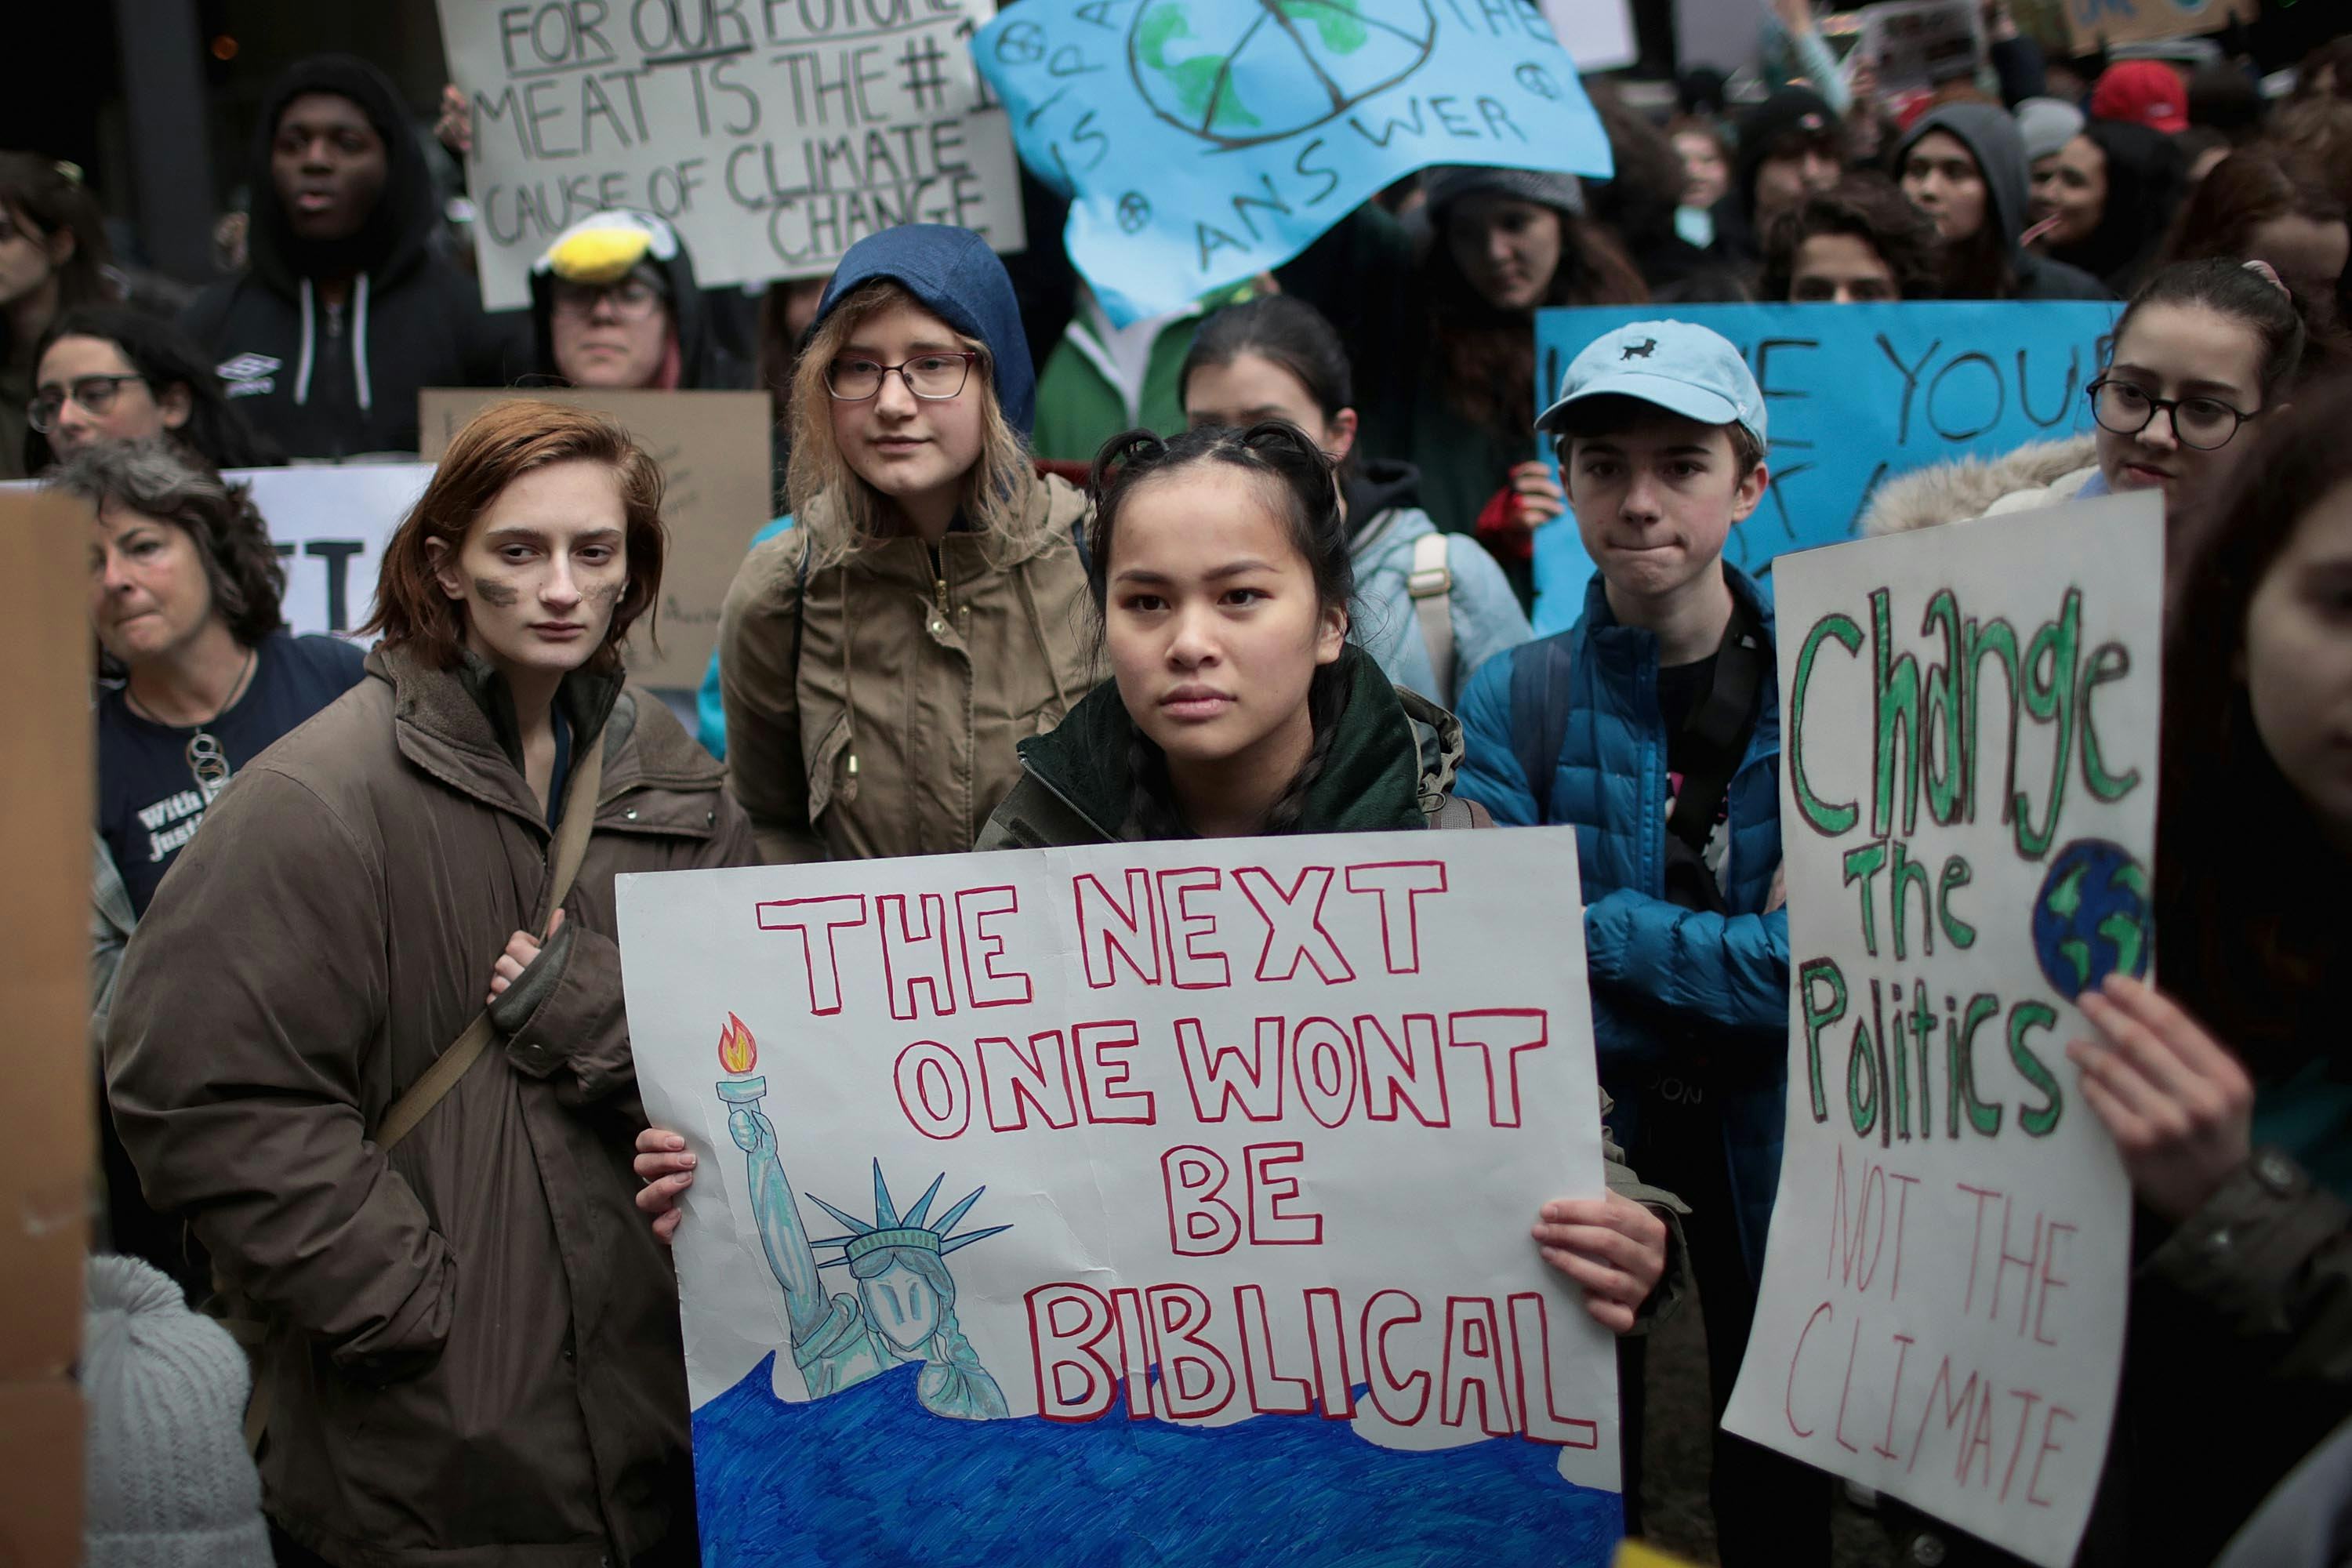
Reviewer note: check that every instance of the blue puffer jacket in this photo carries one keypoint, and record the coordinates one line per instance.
(1664, 978)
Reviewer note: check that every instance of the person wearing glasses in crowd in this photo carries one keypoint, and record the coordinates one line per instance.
(923, 608)
(615, 305)
(53, 257)
(2203, 349)
(201, 678)
(110, 373)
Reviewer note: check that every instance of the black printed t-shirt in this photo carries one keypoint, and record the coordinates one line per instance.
(149, 802)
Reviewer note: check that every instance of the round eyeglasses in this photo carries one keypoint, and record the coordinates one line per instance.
(630, 300)
(933, 377)
(93, 394)
(2201, 423)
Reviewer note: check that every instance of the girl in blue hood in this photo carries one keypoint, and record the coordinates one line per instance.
(922, 609)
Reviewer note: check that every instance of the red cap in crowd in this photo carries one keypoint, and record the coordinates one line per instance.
(2142, 92)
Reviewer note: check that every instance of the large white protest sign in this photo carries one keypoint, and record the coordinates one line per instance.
(773, 134)
(1162, 1202)
(1968, 808)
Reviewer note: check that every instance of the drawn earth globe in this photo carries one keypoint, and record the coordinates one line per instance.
(2093, 919)
(1236, 75)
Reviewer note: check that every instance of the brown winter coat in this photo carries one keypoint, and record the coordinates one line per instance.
(478, 1362)
(2040, 473)
(885, 722)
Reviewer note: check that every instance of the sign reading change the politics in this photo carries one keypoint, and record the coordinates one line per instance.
(774, 135)
(1204, 141)
(1160, 1202)
(1854, 396)
(1969, 813)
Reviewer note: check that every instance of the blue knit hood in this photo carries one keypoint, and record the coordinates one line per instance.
(960, 281)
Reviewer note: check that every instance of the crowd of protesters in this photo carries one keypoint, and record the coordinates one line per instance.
(466, 1342)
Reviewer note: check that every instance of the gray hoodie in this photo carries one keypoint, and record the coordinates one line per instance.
(1991, 137)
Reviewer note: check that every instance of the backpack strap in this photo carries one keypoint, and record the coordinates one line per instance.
(1431, 585)
(568, 849)
(1540, 699)
(1454, 812)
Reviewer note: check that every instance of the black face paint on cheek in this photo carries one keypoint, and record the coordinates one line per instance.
(496, 594)
(605, 594)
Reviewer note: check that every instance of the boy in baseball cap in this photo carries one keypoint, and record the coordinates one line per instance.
(1652, 726)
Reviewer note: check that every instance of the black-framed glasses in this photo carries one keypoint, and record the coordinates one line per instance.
(2202, 422)
(632, 299)
(933, 377)
(94, 394)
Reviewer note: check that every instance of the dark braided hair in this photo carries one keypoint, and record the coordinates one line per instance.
(1298, 481)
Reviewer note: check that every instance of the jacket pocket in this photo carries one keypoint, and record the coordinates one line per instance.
(830, 776)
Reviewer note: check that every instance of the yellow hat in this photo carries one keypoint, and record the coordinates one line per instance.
(602, 247)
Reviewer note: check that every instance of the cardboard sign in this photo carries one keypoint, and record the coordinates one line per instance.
(1207, 141)
(713, 449)
(2094, 24)
(1161, 1203)
(1853, 394)
(45, 1180)
(774, 136)
(1597, 34)
(1969, 815)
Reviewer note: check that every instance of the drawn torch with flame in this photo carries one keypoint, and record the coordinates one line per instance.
(738, 1055)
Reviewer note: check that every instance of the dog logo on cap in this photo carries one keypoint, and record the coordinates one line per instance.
(1642, 350)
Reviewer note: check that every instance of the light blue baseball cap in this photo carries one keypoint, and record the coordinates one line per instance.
(1681, 368)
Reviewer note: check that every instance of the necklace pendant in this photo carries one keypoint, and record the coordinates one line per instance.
(208, 762)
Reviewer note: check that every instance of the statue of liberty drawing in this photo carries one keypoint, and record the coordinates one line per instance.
(903, 1307)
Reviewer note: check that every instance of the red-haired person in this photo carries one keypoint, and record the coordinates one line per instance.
(473, 1350)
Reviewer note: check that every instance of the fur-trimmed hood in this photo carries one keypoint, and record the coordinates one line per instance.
(1957, 491)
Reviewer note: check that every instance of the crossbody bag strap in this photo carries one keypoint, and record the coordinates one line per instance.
(1717, 729)
(571, 847)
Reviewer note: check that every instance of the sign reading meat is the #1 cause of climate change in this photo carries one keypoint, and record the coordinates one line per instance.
(1161, 1201)
(1969, 815)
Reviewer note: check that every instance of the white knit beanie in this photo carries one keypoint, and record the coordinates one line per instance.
(169, 1484)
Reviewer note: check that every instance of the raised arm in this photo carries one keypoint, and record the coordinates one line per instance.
(782, 1234)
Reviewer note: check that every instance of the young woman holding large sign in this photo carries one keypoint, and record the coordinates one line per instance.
(1222, 581)
(880, 655)
(469, 1355)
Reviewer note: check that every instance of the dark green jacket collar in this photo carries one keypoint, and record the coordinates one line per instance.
(1373, 780)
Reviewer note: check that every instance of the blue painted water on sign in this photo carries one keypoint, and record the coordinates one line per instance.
(868, 1476)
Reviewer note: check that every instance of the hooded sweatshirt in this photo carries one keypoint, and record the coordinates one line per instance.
(1991, 137)
(2146, 181)
(339, 380)
(872, 707)
(704, 363)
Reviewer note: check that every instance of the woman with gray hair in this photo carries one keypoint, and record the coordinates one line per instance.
(197, 677)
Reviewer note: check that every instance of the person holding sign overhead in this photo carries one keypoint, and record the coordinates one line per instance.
(1446, 343)
(1652, 725)
(471, 1350)
(615, 305)
(918, 612)
(345, 313)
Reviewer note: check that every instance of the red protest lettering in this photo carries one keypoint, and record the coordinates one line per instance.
(1323, 1060)
(912, 958)
(1066, 1322)
(1270, 1393)
(1110, 932)
(1190, 966)
(1294, 924)
(1013, 1080)
(807, 917)
(2032, 1484)
(933, 1090)
(1103, 1068)
(2048, 1281)
(2026, 1400)
(1399, 885)
(1200, 1223)
(1221, 1078)
(1473, 1363)
(1327, 1336)
(1796, 1359)
(1380, 1371)
(990, 986)
(1134, 1352)
(1413, 1077)
(1500, 1034)
(1531, 1352)
(1272, 1223)
(1195, 1378)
